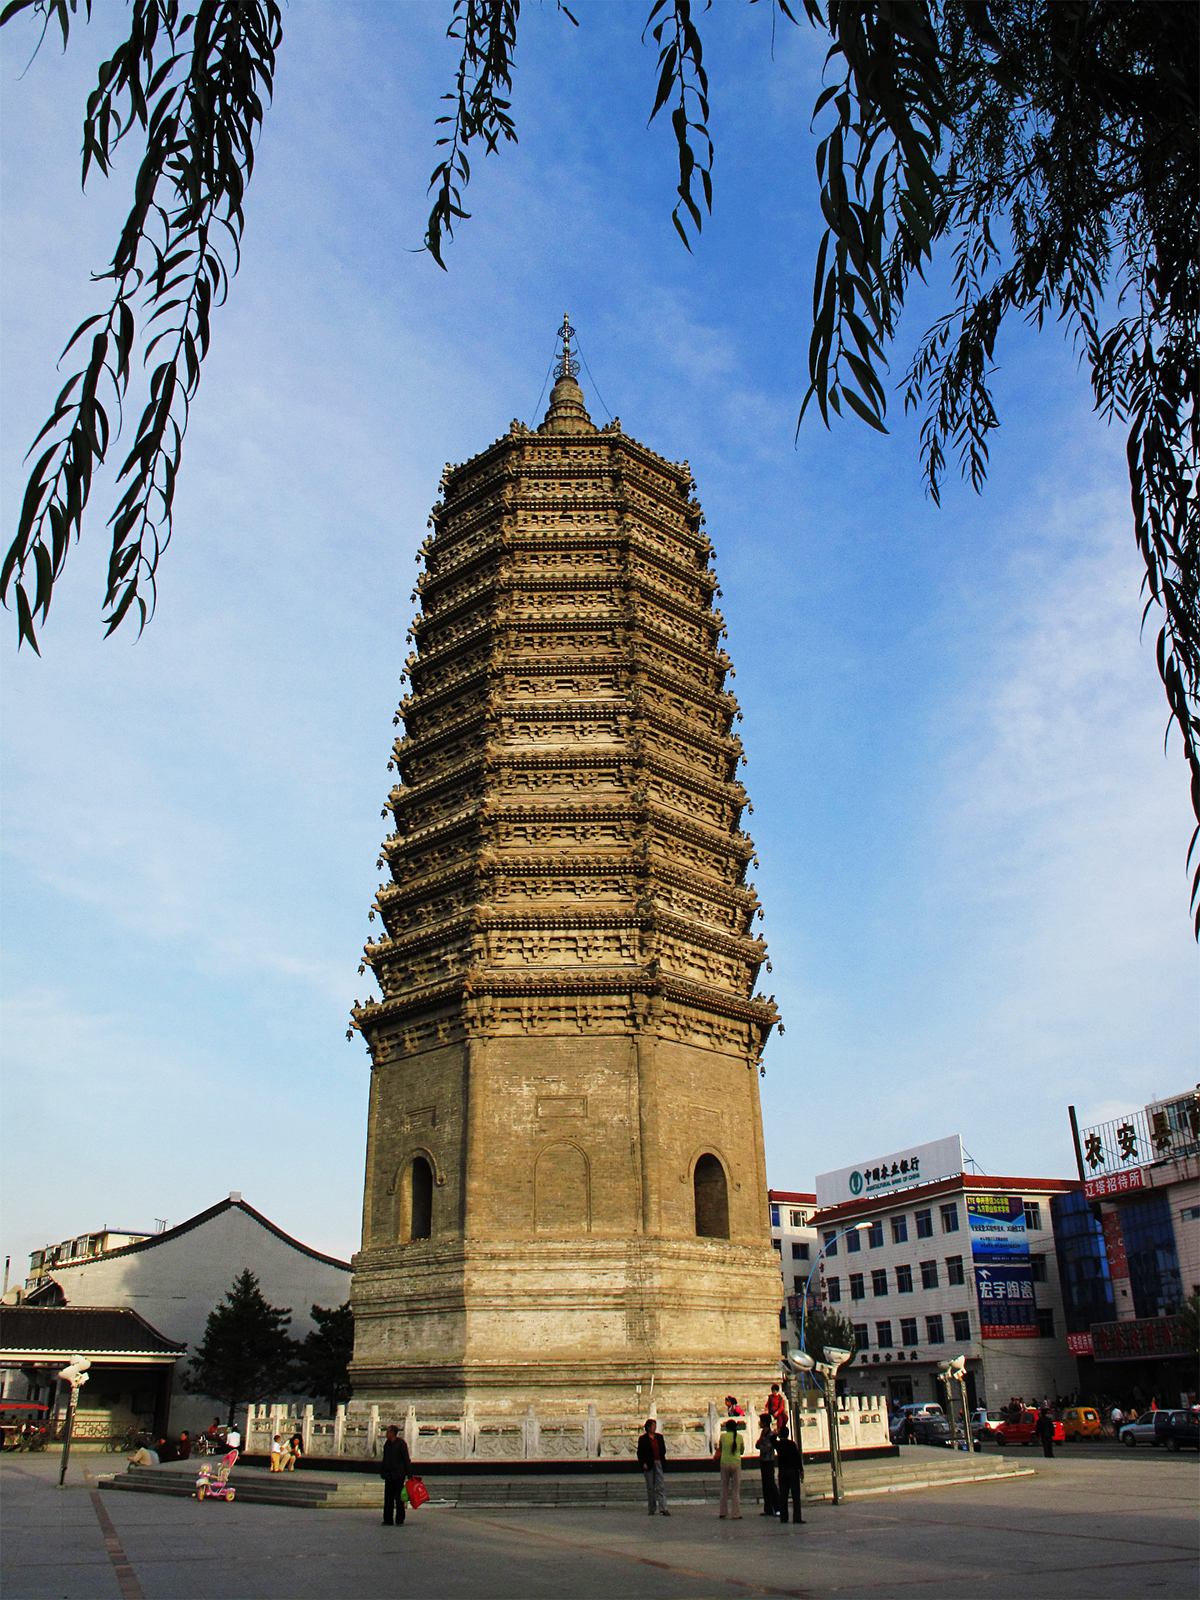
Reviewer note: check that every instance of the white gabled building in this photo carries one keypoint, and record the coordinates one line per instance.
(174, 1279)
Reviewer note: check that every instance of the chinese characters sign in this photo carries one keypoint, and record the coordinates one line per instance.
(1117, 1183)
(1144, 1336)
(1079, 1344)
(1003, 1278)
(1164, 1129)
(882, 1175)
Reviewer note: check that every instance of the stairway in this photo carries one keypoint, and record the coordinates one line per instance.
(917, 1468)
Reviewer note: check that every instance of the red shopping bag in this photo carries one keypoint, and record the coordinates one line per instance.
(417, 1492)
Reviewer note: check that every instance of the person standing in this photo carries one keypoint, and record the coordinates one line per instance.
(765, 1445)
(652, 1458)
(730, 1452)
(791, 1473)
(1116, 1416)
(393, 1469)
(776, 1406)
(1045, 1431)
(277, 1454)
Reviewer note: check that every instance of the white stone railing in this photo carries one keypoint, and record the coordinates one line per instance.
(358, 1431)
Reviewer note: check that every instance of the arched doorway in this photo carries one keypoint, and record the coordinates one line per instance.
(712, 1199)
(561, 1197)
(421, 1199)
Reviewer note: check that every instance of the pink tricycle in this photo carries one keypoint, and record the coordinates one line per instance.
(213, 1482)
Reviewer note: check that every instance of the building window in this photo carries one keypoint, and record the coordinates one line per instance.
(1154, 1276)
(1033, 1216)
(924, 1224)
(857, 1292)
(962, 1326)
(899, 1230)
(783, 1317)
(831, 1243)
(1037, 1268)
(799, 1285)
(774, 1216)
(799, 1252)
(875, 1235)
(799, 1218)
(1045, 1324)
(950, 1219)
(833, 1290)
(929, 1277)
(1190, 1213)
(879, 1281)
(783, 1348)
(778, 1244)
(853, 1242)
(908, 1330)
(883, 1335)
(712, 1199)
(904, 1280)
(862, 1339)
(933, 1331)
(954, 1270)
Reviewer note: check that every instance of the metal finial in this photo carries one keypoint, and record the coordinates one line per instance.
(567, 366)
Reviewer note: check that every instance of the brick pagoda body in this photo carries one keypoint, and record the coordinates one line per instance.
(565, 1186)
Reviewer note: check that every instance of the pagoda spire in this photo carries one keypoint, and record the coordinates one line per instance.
(566, 412)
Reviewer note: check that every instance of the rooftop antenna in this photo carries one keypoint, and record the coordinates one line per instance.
(160, 1224)
(567, 366)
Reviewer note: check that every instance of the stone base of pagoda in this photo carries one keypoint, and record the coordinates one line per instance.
(563, 1324)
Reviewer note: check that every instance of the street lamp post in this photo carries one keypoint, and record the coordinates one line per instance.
(803, 1362)
(956, 1372)
(76, 1374)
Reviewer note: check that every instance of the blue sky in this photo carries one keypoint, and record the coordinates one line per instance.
(971, 844)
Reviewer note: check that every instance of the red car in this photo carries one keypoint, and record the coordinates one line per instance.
(1023, 1431)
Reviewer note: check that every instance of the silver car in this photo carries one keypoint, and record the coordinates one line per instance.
(1139, 1432)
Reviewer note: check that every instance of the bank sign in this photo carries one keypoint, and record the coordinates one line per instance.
(1003, 1276)
(883, 1175)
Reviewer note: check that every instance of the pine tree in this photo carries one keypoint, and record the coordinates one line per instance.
(324, 1356)
(246, 1355)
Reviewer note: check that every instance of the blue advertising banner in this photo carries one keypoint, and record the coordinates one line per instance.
(1000, 1256)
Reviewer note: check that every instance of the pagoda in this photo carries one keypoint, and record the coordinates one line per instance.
(565, 1190)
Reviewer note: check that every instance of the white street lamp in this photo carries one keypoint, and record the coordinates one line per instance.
(76, 1374)
(956, 1371)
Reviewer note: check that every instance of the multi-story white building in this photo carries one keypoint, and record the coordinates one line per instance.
(914, 1265)
(798, 1243)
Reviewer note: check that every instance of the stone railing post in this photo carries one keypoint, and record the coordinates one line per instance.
(591, 1431)
(711, 1428)
(412, 1433)
(373, 1432)
(306, 1429)
(339, 1430)
(532, 1433)
(470, 1432)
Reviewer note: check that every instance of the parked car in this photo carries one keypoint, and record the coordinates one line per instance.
(1143, 1431)
(929, 1425)
(985, 1423)
(1024, 1429)
(1082, 1422)
(1178, 1430)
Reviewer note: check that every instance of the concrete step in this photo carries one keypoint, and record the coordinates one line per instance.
(932, 1468)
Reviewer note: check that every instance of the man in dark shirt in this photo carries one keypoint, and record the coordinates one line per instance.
(652, 1456)
(765, 1445)
(394, 1468)
(791, 1473)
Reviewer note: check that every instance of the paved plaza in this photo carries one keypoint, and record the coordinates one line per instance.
(1099, 1524)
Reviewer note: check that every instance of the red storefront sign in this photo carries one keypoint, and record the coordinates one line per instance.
(1079, 1344)
(1118, 1183)
(1114, 1245)
(1145, 1336)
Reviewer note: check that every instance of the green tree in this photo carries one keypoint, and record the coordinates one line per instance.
(1049, 145)
(323, 1357)
(824, 1329)
(1189, 1320)
(246, 1356)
